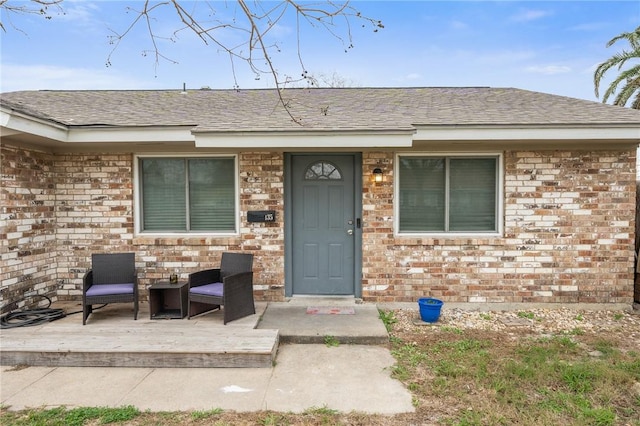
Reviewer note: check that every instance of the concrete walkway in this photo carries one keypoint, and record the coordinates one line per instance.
(346, 378)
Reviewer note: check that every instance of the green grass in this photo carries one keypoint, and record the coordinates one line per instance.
(410, 355)
(331, 341)
(73, 417)
(528, 315)
(273, 419)
(208, 414)
(388, 318)
(550, 380)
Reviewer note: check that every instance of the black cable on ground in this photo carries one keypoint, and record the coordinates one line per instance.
(31, 317)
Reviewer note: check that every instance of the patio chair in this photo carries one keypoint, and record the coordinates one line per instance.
(111, 279)
(230, 286)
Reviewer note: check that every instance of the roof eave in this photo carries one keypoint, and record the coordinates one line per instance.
(541, 132)
(13, 122)
(334, 138)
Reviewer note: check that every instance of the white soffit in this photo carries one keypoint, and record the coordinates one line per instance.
(560, 132)
(305, 140)
(130, 134)
(13, 124)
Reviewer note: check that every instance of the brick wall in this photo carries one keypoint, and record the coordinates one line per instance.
(569, 227)
(95, 214)
(27, 228)
(569, 237)
(636, 297)
(262, 188)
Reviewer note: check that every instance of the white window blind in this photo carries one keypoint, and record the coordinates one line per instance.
(447, 194)
(187, 194)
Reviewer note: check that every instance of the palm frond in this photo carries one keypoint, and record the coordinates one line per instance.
(636, 101)
(625, 94)
(617, 60)
(633, 37)
(629, 79)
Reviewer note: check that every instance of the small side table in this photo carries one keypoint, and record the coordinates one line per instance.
(168, 301)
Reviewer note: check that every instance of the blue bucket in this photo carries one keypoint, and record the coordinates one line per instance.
(430, 309)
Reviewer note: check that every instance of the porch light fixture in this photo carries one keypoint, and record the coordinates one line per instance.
(377, 175)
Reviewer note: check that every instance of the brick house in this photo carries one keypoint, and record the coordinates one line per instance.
(385, 194)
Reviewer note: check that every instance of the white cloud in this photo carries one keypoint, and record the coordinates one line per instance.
(529, 15)
(549, 69)
(406, 79)
(278, 30)
(82, 13)
(589, 26)
(49, 77)
(458, 25)
(590, 69)
(503, 57)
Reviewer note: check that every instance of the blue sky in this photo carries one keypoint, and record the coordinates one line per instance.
(546, 46)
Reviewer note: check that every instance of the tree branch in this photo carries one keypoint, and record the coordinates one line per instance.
(35, 7)
(254, 23)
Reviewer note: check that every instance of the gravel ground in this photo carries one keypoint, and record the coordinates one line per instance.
(624, 324)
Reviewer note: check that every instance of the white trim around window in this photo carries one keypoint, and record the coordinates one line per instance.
(406, 226)
(138, 199)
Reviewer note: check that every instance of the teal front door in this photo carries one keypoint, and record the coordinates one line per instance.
(324, 225)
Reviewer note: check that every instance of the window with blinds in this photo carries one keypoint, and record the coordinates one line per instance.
(187, 194)
(448, 194)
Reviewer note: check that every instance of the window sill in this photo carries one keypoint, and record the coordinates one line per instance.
(187, 239)
(469, 238)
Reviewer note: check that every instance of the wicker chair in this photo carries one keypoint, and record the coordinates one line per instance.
(111, 279)
(230, 286)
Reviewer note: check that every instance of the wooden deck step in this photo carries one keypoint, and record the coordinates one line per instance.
(238, 348)
(116, 340)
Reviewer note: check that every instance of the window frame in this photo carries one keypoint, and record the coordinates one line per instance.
(452, 234)
(138, 204)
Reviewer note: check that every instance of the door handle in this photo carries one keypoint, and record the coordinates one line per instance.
(350, 231)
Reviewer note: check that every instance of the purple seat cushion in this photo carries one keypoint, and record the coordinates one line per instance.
(106, 289)
(213, 289)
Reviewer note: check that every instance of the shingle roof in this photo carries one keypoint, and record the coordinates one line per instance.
(316, 109)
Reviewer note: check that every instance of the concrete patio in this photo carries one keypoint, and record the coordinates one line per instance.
(112, 338)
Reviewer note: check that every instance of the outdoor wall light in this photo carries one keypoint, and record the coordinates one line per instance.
(377, 175)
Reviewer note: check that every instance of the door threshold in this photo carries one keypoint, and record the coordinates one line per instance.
(322, 300)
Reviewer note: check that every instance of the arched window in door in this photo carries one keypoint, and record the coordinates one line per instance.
(322, 170)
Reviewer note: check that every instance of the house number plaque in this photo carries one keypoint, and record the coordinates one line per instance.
(261, 216)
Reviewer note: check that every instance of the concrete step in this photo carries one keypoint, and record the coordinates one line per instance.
(295, 325)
